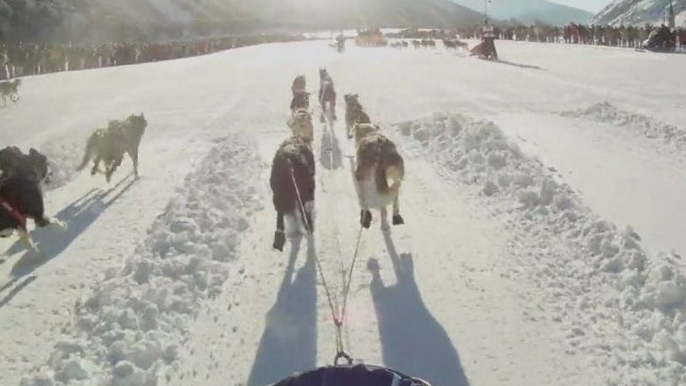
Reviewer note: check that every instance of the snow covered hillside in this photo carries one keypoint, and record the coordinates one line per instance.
(543, 200)
(640, 12)
(531, 11)
(93, 21)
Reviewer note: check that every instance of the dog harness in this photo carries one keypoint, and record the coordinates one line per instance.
(13, 212)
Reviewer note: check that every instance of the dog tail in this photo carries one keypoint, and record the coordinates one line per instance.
(90, 147)
(390, 173)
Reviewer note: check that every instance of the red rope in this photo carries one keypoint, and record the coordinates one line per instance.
(14, 212)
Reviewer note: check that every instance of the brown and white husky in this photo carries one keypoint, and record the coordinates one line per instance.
(379, 172)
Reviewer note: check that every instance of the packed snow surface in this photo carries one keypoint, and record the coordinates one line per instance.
(543, 204)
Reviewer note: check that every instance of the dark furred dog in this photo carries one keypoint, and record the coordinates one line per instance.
(10, 89)
(299, 84)
(327, 95)
(110, 145)
(354, 113)
(21, 196)
(14, 162)
(293, 161)
(301, 100)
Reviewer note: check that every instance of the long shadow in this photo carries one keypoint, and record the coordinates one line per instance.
(330, 154)
(520, 65)
(412, 341)
(289, 340)
(23, 283)
(79, 215)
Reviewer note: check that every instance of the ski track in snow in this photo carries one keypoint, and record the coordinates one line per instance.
(510, 270)
(650, 128)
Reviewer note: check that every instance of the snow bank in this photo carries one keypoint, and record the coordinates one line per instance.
(645, 126)
(132, 326)
(616, 303)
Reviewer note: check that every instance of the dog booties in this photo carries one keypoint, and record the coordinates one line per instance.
(357, 375)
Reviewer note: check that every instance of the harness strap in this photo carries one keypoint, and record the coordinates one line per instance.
(338, 318)
(14, 212)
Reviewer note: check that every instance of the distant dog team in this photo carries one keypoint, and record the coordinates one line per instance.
(379, 169)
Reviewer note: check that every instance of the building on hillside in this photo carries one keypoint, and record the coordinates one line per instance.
(671, 16)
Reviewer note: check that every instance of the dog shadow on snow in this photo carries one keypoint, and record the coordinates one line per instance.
(330, 155)
(289, 340)
(412, 340)
(78, 216)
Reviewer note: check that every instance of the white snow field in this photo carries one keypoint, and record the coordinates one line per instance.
(544, 206)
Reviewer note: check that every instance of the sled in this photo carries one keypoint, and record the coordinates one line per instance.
(348, 375)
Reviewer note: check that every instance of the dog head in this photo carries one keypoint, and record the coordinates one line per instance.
(363, 130)
(138, 121)
(301, 124)
(351, 99)
(40, 164)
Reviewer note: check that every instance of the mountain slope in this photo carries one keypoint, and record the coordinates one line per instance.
(135, 20)
(638, 12)
(530, 11)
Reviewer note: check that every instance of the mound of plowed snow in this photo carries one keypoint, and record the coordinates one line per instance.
(616, 303)
(134, 323)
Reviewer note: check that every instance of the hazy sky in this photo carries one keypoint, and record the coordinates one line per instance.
(589, 5)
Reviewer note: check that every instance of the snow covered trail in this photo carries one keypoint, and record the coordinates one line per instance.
(447, 311)
(510, 269)
(106, 222)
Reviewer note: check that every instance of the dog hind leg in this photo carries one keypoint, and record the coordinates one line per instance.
(295, 227)
(365, 214)
(25, 239)
(109, 172)
(96, 165)
(88, 154)
(309, 216)
(279, 234)
(134, 156)
(397, 218)
(384, 220)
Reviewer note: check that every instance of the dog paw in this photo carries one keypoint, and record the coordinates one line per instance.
(398, 220)
(61, 225)
(366, 219)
